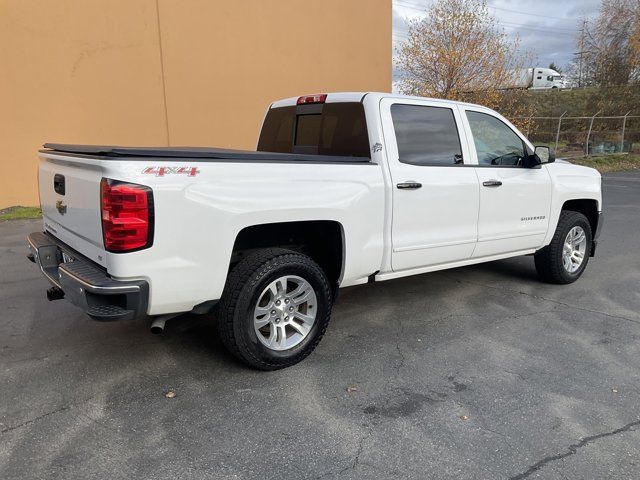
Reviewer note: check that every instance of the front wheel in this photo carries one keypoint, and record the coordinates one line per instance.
(275, 308)
(566, 257)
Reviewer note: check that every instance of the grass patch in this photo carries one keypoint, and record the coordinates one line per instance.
(19, 213)
(610, 163)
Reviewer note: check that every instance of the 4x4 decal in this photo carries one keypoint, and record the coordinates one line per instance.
(162, 171)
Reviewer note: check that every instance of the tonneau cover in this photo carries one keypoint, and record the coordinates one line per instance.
(204, 153)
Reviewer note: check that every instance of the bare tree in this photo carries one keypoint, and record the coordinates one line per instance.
(456, 49)
(610, 44)
(553, 66)
(634, 47)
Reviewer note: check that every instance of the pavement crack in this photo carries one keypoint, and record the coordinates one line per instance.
(572, 450)
(356, 458)
(546, 299)
(402, 359)
(516, 374)
(33, 420)
(582, 309)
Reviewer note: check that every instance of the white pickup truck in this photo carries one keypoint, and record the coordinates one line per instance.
(344, 189)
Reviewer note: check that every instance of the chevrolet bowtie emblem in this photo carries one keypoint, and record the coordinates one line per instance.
(61, 207)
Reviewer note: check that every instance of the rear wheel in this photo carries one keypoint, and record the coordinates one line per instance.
(275, 308)
(566, 257)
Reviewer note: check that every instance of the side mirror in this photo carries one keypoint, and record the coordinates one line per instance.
(545, 154)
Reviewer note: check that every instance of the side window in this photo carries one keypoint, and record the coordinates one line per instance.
(426, 135)
(496, 144)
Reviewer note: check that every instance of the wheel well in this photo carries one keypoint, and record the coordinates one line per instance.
(589, 208)
(322, 240)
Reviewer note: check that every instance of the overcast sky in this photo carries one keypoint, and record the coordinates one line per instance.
(547, 28)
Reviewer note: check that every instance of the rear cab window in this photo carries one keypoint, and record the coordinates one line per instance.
(338, 129)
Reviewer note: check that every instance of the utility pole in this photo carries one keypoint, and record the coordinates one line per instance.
(581, 52)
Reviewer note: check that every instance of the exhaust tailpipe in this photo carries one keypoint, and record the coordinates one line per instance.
(157, 325)
(55, 293)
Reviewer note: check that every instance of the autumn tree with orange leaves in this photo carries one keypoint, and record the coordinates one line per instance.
(458, 51)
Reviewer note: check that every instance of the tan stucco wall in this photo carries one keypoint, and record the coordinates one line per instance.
(189, 72)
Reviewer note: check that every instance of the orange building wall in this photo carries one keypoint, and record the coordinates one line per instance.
(170, 72)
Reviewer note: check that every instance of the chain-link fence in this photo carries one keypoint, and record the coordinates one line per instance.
(579, 136)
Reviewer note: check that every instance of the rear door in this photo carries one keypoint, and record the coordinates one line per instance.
(435, 196)
(514, 200)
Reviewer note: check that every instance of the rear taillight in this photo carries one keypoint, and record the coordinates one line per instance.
(315, 98)
(127, 216)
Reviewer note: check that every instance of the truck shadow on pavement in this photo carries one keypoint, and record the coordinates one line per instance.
(198, 333)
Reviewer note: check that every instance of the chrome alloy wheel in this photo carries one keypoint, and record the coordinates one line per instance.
(574, 249)
(285, 313)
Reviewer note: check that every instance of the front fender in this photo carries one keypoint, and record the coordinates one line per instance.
(571, 182)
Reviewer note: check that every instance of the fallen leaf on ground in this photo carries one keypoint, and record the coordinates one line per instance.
(169, 394)
(464, 417)
(352, 389)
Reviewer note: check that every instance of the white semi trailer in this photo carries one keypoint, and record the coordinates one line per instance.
(537, 78)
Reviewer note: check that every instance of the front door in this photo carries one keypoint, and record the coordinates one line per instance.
(435, 196)
(514, 200)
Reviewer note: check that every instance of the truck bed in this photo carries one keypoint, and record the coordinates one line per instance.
(199, 154)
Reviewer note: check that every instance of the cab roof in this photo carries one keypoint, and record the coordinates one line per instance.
(336, 97)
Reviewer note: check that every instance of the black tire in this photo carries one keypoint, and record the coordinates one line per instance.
(548, 260)
(242, 292)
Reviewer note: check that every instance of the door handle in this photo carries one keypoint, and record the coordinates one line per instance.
(492, 183)
(58, 183)
(409, 185)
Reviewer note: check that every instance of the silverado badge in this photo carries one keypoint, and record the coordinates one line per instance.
(61, 207)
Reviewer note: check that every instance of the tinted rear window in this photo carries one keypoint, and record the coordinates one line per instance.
(324, 129)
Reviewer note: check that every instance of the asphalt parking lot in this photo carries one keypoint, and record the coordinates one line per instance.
(478, 372)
